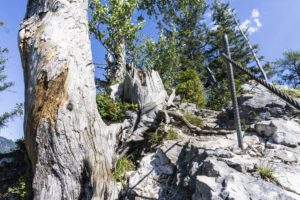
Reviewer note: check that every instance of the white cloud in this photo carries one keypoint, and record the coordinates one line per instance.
(252, 24)
(255, 13)
(258, 23)
(252, 30)
(245, 24)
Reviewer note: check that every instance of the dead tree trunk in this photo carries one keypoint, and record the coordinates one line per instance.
(70, 147)
(146, 89)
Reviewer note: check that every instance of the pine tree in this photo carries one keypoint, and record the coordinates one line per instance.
(5, 85)
(288, 68)
(224, 22)
(180, 48)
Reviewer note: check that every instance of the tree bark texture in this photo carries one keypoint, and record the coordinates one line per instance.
(146, 89)
(70, 147)
(117, 71)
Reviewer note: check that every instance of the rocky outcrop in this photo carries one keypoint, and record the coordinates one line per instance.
(211, 166)
(257, 103)
(281, 131)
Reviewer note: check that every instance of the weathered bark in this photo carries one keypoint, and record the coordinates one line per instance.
(117, 71)
(146, 89)
(70, 147)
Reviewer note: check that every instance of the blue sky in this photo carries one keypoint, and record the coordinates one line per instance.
(276, 26)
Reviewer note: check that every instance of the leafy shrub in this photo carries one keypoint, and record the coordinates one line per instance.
(219, 98)
(123, 165)
(20, 189)
(129, 106)
(190, 88)
(193, 119)
(113, 110)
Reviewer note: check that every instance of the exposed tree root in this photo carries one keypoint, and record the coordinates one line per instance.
(191, 127)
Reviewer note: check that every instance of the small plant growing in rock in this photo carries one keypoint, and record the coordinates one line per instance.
(123, 165)
(171, 135)
(266, 172)
(20, 189)
(158, 137)
(193, 119)
(113, 110)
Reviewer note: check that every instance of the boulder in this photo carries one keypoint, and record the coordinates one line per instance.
(223, 182)
(259, 104)
(151, 178)
(285, 132)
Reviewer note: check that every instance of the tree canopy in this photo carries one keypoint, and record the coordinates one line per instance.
(288, 68)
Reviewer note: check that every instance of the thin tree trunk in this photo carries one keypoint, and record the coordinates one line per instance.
(252, 51)
(117, 72)
(119, 75)
(70, 147)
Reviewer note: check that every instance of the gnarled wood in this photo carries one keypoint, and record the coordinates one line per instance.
(70, 147)
(146, 89)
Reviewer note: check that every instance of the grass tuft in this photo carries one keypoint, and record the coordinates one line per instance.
(158, 137)
(193, 119)
(266, 172)
(123, 165)
(171, 135)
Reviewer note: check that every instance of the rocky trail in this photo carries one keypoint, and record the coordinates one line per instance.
(202, 161)
(210, 166)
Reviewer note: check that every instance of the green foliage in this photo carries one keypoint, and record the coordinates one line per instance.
(293, 92)
(180, 47)
(162, 56)
(224, 22)
(123, 165)
(20, 189)
(171, 135)
(5, 117)
(158, 137)
(266, 172)
(113, 110)
(107, 108)
(288, 68)
(190, 88)
(4, 85)
(111, 23)
(193, 119)
(219, 97)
